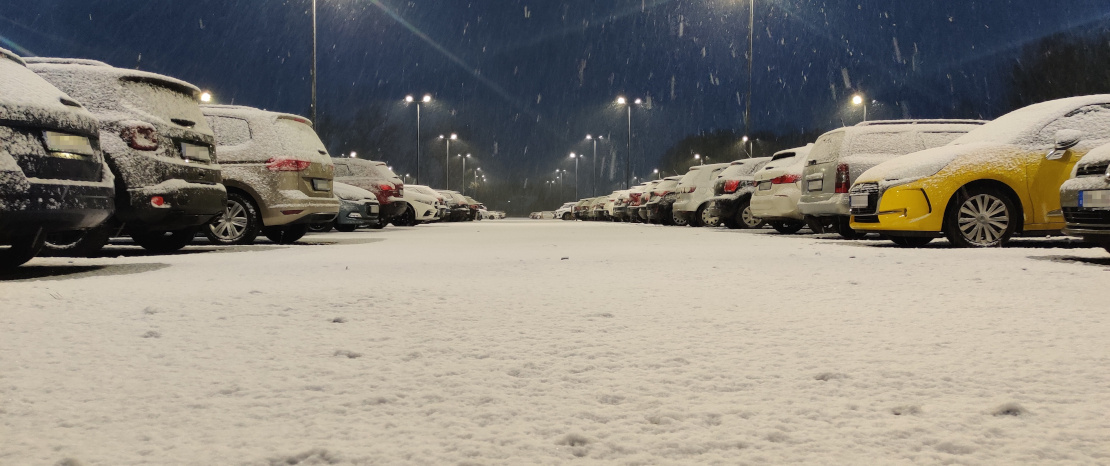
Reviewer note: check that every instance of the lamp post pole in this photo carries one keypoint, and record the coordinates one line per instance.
(575, 157)
(628, 148)
(314, 122)
(751, 56)
(447, 159)
(409, 99)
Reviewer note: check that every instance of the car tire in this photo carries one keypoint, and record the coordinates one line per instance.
(79, 243)
(22, 249)
(285, 234)
(347, 228)
(378, 225)
(911, 241)
(704, 219)
(322, 227)
(678, 220)
(844, 228)
(163, 242)
(239, 223)
(787, 228)
(566, 215)
(406, 219)
(980, 217)
(744, 216)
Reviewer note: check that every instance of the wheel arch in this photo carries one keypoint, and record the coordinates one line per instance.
(1001, 187)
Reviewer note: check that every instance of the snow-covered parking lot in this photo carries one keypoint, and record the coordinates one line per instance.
(550, 342)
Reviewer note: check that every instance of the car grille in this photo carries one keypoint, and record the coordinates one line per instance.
(872, 191)
(1081, 216)
(1098, 168)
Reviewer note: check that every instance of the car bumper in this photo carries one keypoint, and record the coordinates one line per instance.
(359, 214)
(905, 209)
(56, 206)
(185, 204)
(774, 206)
(305, 210)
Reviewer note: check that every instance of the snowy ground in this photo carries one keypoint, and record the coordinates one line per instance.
(550, 342)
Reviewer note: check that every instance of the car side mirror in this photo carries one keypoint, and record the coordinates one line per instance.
(1065, 139)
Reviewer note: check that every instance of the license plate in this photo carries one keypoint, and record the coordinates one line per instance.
(1095, 199)
(195, 152)
(764, 185)
(321, 185)
(857, 201)
(814, 185)
(373, 208)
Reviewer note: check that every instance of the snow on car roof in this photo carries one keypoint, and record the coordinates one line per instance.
(248, 113)
(1097, 155)
(77, 69)
(344, 189)
(27, 97)
(1018, 124)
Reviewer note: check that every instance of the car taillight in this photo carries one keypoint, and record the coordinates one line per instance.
(286, 165)
(842, 181)
(784, 179)
(140, 137)
(731, 185)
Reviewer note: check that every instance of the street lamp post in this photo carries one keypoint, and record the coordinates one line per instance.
(447, 159)
(463, 189)
(698, 158)
(751, 56)
(575, 157)
(657, 175)
(745, 140)
(426, 99)
(314, 123)
(593, 170)
(628, 147)
(859, 100)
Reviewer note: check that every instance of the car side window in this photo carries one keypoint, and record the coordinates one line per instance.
(1092, 120)
(230, 131)
(342, 170)
(885, 143)
(938, 138)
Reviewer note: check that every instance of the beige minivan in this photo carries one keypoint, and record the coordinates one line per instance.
(277, 172)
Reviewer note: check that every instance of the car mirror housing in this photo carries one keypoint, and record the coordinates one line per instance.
(1065, 139)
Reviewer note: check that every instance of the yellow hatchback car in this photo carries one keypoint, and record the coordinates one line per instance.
(996, 181)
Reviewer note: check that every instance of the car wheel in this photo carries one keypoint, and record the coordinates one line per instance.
(164, 241)
(980, 218)
(285, 234)
(322, 227)
(705, 219)
(744, 216)
(239, 223)
(378, 225)
(406, 219)
(911, 241)
(79, 243)
(346, 228)
(678, 220)
(787, 228)
(22, 249)
(844, 228)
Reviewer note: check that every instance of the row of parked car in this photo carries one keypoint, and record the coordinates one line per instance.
(89, 151)
(1039, 170)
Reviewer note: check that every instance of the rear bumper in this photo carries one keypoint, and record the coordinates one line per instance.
(359, 214)
(825, 205)
(185, 204)
(56, 206)
(303, 210)
(776, 206)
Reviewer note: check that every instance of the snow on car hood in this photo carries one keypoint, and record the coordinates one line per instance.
(27, 97)
(918, 164)
(1097, 155)
(351, 193)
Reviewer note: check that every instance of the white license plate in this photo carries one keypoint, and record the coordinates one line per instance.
(1096, 199)
(373, 208)
(814, 185)
(857, 201)
(321, 185)
(764, 185)
(195, 152)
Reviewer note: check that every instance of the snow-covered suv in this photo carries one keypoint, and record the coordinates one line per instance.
(277, 172)
(732, 190)
(158, 146)
(694, 191)
(775, 199)
(52, 173)
(566, 211)
(377, 178)
(424, 205)
(841, 155)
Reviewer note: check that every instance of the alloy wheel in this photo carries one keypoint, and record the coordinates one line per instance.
(983, 219)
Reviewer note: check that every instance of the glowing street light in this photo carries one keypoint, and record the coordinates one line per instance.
(575, 157)
(859, 100)
(698, 158)
(447, 158)
(354, 155)
(464, 170)
(657, 175)
(205, 97)
(426, 99)
(593, 170)
(628, 148)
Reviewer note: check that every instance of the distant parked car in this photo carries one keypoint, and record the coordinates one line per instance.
(597, 208)
(424, 205)
(158, 146)
(277, 172)
(732, 194)
(662, 198)
(996, 181)
(840, 156)
(358, 208)
(632, 206)
(582, 209)
(619, 212)
(458, 209)
(565, 211)
(694, 191)
(1085, 198)
(641, 208)
(53, 176)
(377, 178)
(778, 188)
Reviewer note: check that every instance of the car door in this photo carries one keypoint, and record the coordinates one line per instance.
(1045, 174)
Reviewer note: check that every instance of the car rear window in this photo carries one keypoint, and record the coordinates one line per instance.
(383, 171)
(939, 138)
(229, 131)
(298, 136)
(827, 147)
(894, 143)
(162, 101)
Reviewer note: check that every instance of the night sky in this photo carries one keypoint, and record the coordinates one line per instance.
(523, 81)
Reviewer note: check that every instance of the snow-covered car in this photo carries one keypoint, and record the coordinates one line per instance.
(457, 208)
(695, 189)
(839, 156)
(582, 209)
(277, 172)
(658, 208)
(632, 204)
(565, 211)
(475, 208)
(358, 208)
(619, 211)
(1000, 180)
(377, 178)
(1085, 198)
(53, 176)
(427, 205)
(597, 208)
(732, 194)
(778, 188)
(158, 146)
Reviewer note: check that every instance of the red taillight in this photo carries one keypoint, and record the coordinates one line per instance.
(140, 137)
(842, 181)
(287, 165)
(158, 201)
(784, 179)
(731, 185)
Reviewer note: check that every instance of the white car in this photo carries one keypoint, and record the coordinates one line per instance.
(425, 205)
(778, 188)
(732, 195)
(694, 191)
(566, 212)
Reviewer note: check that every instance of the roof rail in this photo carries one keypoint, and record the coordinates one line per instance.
(935, 121)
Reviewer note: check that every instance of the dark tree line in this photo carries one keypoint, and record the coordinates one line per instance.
(1061, 65)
